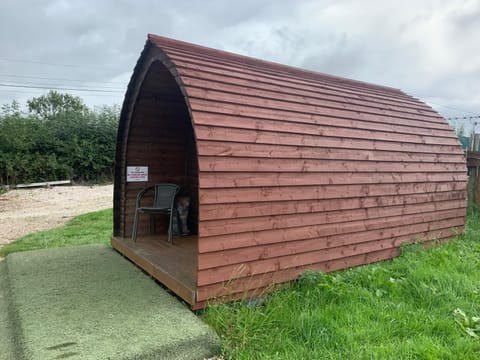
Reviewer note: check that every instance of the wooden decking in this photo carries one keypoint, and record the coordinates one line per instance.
(174, 265)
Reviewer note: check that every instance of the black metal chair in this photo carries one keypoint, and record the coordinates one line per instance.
(163, 203)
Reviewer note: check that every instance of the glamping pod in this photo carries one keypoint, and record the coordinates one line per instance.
(284, 170)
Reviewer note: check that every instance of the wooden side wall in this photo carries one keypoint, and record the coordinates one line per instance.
(160, 137)
(302, 170)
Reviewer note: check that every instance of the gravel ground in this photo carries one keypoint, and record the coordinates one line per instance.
(25, 211)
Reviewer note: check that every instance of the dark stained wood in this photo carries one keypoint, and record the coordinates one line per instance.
(280, 103)
(314, 192)
(314, 82)
(240, 106)
(473, 163)
(286, 257)
(287, 169)
(240, 149)
(312, 124)
(271, 236)
(259, 89)
(473, 158)
(215, 133)
(255, 179)
(230, 226)
(174, 265)
(247, 210)
(215, 163)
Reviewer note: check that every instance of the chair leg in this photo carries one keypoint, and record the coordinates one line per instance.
(152, 224)
(135, 226)
(170, 238)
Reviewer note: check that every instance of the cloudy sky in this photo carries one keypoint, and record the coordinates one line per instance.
(428, 48)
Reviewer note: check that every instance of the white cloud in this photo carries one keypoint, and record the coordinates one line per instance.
(429, 49)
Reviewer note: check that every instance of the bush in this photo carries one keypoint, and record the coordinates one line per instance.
(58, 138)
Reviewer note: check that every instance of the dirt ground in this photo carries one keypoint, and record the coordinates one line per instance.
(25, 211)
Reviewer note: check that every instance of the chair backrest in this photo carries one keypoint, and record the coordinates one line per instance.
(165, 195)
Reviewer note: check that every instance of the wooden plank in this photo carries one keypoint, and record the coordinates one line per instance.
(314, 192)
(243, 210)
(239, 149)
(288, 260)
(473, 158)
(43, 184)
(232, 104)
(191, 70)
(255, 179)
(253, 238)
(215, 260)
(240, 286)
(314, 124)
(313, 81)
(207, 78)
(240, 63)
(216, 163)
(167, 263)
(209, 86)
(231, 226)
(351, 128)
(215, 133)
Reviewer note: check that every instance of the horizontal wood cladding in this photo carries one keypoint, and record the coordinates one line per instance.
(247, 108)
(229, 226)
(329, 97)
(248, 136)
(251, 179)
(214, 163)
(254, 238)
(212, 260)
(280, 103)
(247, 210)
(317, 192)
(328, 131)
(318, 124)
(240, 149)
(239, 286)
(349, 95)
(306, 259)
(316, 84)
(300, 254)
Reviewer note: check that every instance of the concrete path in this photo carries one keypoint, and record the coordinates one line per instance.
(88, 302)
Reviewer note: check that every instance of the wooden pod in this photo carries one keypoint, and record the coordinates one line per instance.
(286, 169)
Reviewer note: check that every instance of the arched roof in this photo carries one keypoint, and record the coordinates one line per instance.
(226, 89)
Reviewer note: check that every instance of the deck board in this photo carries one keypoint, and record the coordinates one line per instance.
(174, 265)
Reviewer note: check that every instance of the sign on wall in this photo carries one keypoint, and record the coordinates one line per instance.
(137, 173)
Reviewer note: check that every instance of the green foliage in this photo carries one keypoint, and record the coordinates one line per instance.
(406, 308)
(53, 104)
(90, 228)
(59, 138)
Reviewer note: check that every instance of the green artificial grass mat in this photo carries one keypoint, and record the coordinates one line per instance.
(7, 335)
(88, 302)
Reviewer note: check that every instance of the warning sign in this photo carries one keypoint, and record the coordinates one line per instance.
(137, 173)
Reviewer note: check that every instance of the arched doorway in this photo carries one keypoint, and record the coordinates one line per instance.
(159, 137)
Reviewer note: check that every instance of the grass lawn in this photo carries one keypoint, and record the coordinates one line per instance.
(95, 227)
(422, 305)
(399, 309)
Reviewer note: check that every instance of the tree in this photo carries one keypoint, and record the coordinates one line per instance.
(54, 103)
